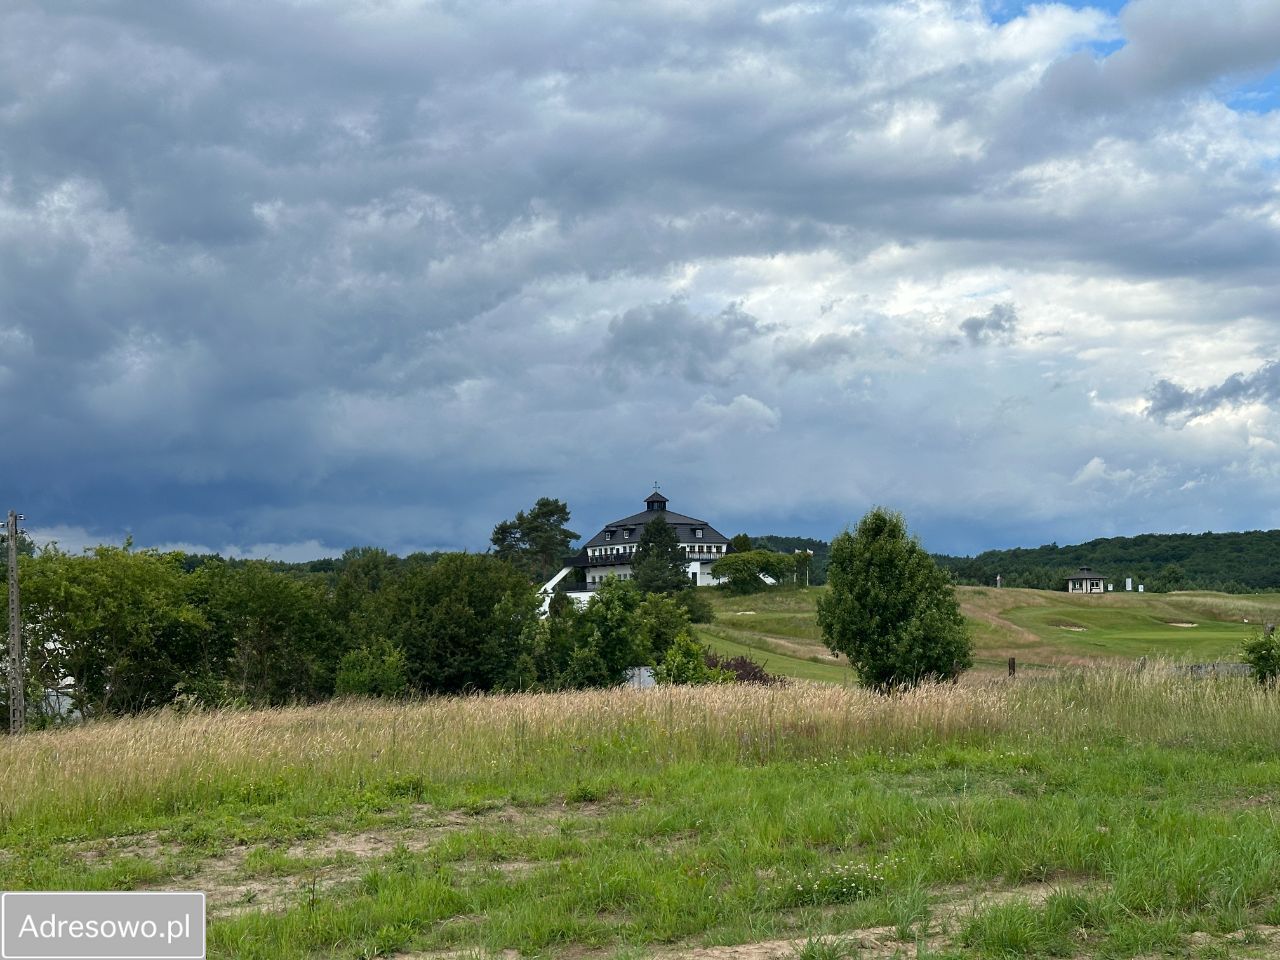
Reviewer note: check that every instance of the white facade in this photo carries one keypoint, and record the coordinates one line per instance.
(610, 552)
(1085, 581)
(613, 562)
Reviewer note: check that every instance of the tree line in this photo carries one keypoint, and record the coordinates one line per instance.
(1228, 562)
(117, 630)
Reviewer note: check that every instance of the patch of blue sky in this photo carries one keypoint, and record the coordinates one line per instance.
(1002, 11)
(1261, 95)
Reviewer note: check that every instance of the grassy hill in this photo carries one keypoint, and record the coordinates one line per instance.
(1234, 562)
(1040, 628)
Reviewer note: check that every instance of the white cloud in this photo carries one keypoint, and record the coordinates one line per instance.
(420, 265)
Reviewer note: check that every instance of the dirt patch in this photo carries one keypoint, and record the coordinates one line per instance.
(872, 942)
(232, 885)
(1180, 623)
(426, 826)
(960, 902)
(952, 906)
(145, 845)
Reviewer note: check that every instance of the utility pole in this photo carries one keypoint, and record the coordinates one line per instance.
(17, 675)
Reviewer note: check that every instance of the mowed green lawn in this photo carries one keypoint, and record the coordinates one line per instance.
(1040, 628)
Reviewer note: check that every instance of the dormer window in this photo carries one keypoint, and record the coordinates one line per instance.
(626, 534)
(698, 533)
(608, 534)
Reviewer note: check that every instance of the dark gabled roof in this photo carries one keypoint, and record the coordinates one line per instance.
(1086, 573)
(635, 523)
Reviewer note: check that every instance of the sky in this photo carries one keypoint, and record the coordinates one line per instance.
(282, 278)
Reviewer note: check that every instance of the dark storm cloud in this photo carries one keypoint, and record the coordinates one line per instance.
(269, 268)
(822, 352)
(997, 325)
(668, 338)
(1169, 401)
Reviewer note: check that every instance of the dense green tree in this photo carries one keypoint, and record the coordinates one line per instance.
(586, 669)
(276, 633)
(1234, 562)
(556, 637)
(659, 564)
(537, 541)
(610, 626)
(464, 623)
(744, 571)
(660, 619)
(111, 630)
(374, 669)
(889, 607)
(26, 546)
(817, 562)
(363, 572)
(696, 605)
(741, 543)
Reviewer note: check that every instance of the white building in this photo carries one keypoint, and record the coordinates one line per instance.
(610, 552)
(1085, 580)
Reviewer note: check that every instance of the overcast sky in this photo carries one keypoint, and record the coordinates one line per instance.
(279, 278)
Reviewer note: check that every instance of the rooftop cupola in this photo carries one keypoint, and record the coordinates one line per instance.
(656, 501)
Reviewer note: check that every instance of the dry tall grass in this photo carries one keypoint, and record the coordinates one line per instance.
(168, 762)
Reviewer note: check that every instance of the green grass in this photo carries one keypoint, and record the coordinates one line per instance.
(1113, 813)
(1038, 627)
(776, 663)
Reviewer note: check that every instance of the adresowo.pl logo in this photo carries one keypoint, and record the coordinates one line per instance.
(102, 926)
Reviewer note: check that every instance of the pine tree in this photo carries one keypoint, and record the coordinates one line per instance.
(659, 565)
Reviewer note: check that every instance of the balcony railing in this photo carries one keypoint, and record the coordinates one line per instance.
(615, 559)
(567, 587)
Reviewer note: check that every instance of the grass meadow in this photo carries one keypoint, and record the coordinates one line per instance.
(1094, 812)
(1040, 628)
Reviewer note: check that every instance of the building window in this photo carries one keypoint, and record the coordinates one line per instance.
(626, 534)
(608, 534)
(698, 533)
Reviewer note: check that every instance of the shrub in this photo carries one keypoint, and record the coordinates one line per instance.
(376, 669)
(685, 662)
(744, 670)
(696, 605)
(744, 572)
(1262, 652)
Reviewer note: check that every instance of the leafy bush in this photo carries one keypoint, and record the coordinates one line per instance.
(744, 670)
(1262, 652)
(685, 662)
(744, 572)
(696, 606)
(661, 619)
(376, 669)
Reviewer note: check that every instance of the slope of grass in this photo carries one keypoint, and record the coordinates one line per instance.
(826, 670)
(1100, 813)
(1038, 627)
